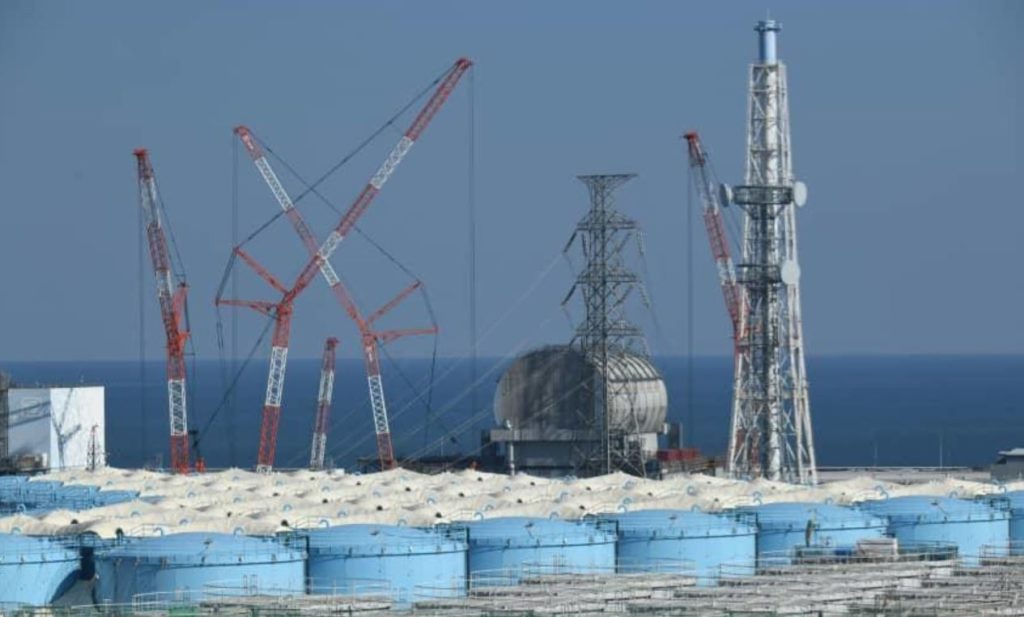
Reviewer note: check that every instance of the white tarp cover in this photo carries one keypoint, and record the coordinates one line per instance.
(234, 499)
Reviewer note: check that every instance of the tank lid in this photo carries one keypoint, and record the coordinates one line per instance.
(824, 516)
(364, 540)
(677, 524)
(928, 508)
(16, 548)
(1014, 498)
(528, 531)
(204, 549)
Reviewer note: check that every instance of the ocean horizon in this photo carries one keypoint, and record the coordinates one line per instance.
(888, 410)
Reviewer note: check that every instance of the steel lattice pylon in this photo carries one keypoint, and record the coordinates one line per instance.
(604, 284)
(770, 434)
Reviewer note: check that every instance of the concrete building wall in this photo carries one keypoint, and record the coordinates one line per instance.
(56, 423)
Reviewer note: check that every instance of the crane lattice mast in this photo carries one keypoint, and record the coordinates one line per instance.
(281, 311)
(771, 419)
(171, 297)
(320, 253)
(318, 449)
(709, 199)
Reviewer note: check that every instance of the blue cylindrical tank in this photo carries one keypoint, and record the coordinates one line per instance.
(784, 527)
(508, 545)
(34, 570)
(1015, 500)
(969, 525)
(107, 498)
(654, 540)
(192, 562)
(351, 557)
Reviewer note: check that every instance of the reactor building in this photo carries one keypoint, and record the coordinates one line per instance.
(597, 404)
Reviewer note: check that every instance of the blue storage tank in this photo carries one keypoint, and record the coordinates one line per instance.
(9, 482)
(969, 525)
(784, 527)
(507, 545)
(107, 498)
(352, 557)
(34, 571)
(189, 562)
(654, 540)
(1015, 501)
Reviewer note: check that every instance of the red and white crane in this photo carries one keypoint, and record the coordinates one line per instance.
(320, 253)
(172, 308)
(281, 311)
(716, 231)
(318, 449)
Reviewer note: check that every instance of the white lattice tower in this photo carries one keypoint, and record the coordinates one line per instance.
(770, 432)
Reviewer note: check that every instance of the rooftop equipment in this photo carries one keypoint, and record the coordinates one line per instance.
(970, 525)
(195, 565)
(783, 528)
(501, 550)
(682, 540)
(405, 557)
(34, 571)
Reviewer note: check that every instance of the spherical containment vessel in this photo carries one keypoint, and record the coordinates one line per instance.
(785, 528)
(356, 559)
(34, 571)
(541, 390)
(198, 565)
(969, 525)
(662, 540)
(502, 549)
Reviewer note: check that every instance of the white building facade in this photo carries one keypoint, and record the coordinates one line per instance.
(56, 428)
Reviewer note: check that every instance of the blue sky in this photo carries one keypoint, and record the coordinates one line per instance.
(906, 124)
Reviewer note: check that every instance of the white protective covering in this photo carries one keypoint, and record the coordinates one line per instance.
(230, 500)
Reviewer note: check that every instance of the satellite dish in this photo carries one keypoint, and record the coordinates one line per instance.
(790, 272)
(799, 193)
(725, 194)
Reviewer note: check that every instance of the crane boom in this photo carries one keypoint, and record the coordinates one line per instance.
(281, 311)
(716, 230)
(320, 254)
(318, 449)
(362, 202)
(172, 302)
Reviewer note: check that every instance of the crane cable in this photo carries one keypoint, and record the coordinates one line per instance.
(311, 188)
(238, 374)
(461, 395)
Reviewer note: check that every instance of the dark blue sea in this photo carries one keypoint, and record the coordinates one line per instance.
(885, 410)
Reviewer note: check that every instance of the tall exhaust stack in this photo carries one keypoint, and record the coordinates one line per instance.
(771, 433)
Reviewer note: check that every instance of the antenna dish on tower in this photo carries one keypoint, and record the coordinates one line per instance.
(799, 193)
